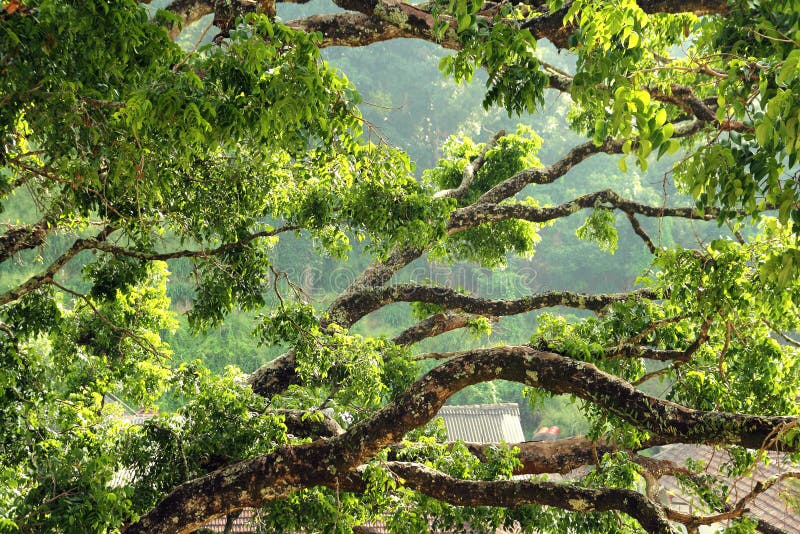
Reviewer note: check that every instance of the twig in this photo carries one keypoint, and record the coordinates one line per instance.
(194, 48)
(139, 340)
(470, 171)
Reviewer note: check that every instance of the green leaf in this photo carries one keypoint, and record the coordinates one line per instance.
(464, 22)
(764, 133)
(661, 117)
(788, 70)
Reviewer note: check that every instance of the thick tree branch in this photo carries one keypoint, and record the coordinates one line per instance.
(511, 493)
(367, 301)
(275, 376)
(255, 481)
(354, 29)
(370, 21)
(189, 11)
(559, 456)
(313, 424)
(478, 214)
(46, 276)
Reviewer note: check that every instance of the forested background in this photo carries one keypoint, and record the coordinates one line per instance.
(408, 103)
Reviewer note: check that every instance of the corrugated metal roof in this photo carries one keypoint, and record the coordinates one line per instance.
(767, 506)
(483, 423)
(246, 523)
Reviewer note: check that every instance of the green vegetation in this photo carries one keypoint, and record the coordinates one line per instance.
(589, 208)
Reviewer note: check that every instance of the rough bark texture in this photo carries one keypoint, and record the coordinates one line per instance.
(510, 493)
(361, 303)
(329, 462)
(46, 276)
(484, 213)
(369, 21)
(333, 460)
(436, 324)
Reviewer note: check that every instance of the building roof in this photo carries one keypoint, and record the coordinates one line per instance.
(246, 523)
(483, 423)
(472, 423)
(768, 506)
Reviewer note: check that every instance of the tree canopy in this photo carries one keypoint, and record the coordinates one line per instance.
(123, 150)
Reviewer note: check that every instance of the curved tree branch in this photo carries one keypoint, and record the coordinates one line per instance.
(510, 493)
(436, 324)
(325, 462)
(366, 301)
(470, 170)
(478, 214)
(202, 253)
(46, 276)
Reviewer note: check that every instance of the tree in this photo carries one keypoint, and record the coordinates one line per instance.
(135, 151)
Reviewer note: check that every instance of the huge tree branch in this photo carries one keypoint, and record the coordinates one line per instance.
(255, 481)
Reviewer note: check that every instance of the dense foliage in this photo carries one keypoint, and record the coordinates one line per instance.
(208, 158)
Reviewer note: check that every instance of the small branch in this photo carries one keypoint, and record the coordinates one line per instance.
(436, 324)
(653, 374)
(637, 228)
(637, 351)
(139, 340)
(194, 48)
(470, 170)
(653, 326)
(793, 342)
(227, 247)
(736, 510)
(46, 276)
